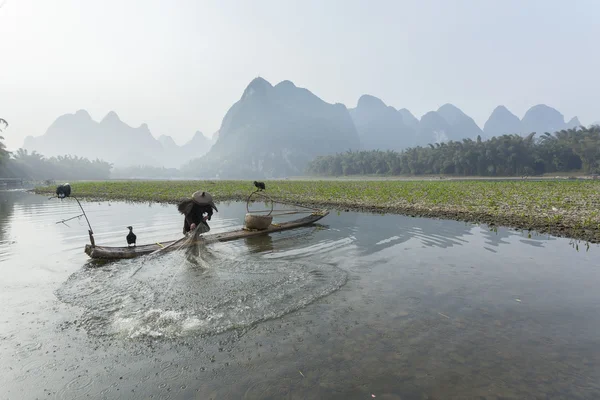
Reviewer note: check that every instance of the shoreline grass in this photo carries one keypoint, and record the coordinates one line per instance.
(566, 208)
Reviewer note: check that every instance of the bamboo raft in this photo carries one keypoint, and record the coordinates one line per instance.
(117, 253)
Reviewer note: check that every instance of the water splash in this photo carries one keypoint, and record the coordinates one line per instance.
(172, 296)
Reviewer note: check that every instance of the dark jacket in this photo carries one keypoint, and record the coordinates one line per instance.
(193, 214)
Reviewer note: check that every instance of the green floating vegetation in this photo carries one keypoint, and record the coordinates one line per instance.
(562, 208)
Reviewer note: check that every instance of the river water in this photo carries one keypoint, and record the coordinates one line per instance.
(360, 306)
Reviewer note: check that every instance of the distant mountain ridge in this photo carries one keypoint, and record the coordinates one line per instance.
(114, 141)
(273, 131)
(502, 122)
(383, 127)
(541, 118)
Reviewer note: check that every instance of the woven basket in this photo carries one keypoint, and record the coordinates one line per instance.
(257, 222)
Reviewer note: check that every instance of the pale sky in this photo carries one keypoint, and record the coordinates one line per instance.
(179, 65)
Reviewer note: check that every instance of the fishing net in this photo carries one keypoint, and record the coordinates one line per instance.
(192, 248)
(193, 241)
(170, 298)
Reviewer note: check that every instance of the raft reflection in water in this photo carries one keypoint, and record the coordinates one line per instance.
(259, 244)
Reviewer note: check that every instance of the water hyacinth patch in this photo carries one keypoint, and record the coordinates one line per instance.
(563, 208)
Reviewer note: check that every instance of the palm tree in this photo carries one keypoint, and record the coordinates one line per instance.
(21, 154)
(4, 154)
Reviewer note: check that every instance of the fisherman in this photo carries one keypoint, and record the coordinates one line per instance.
(194, 209)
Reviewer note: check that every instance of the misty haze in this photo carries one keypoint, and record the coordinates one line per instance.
(275, 131)
(279, 199)
(186, 91)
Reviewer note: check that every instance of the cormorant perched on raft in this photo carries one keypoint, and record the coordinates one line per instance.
(194, 209)
(259, 185)
(131, 236)
(63, 191)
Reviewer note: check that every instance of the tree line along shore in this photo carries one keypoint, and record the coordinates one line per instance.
(566, 151)
(572, 151)
(566, 208)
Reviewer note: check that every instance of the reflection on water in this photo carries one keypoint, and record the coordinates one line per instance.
(259, 244)
(358, 305)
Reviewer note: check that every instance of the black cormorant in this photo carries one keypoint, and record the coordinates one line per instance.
(259, 185)
(131, 236)
(63, 191)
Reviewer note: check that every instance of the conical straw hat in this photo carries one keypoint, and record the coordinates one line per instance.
(204, 198)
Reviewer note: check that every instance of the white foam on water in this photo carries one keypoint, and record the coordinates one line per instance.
(154, 323)
(172, 297)
(388, 240)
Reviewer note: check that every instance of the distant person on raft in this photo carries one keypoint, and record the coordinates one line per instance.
(194, 209)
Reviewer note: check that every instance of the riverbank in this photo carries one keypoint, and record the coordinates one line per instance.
(568, 208)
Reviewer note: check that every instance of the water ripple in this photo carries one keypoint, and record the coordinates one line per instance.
(172, 297)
